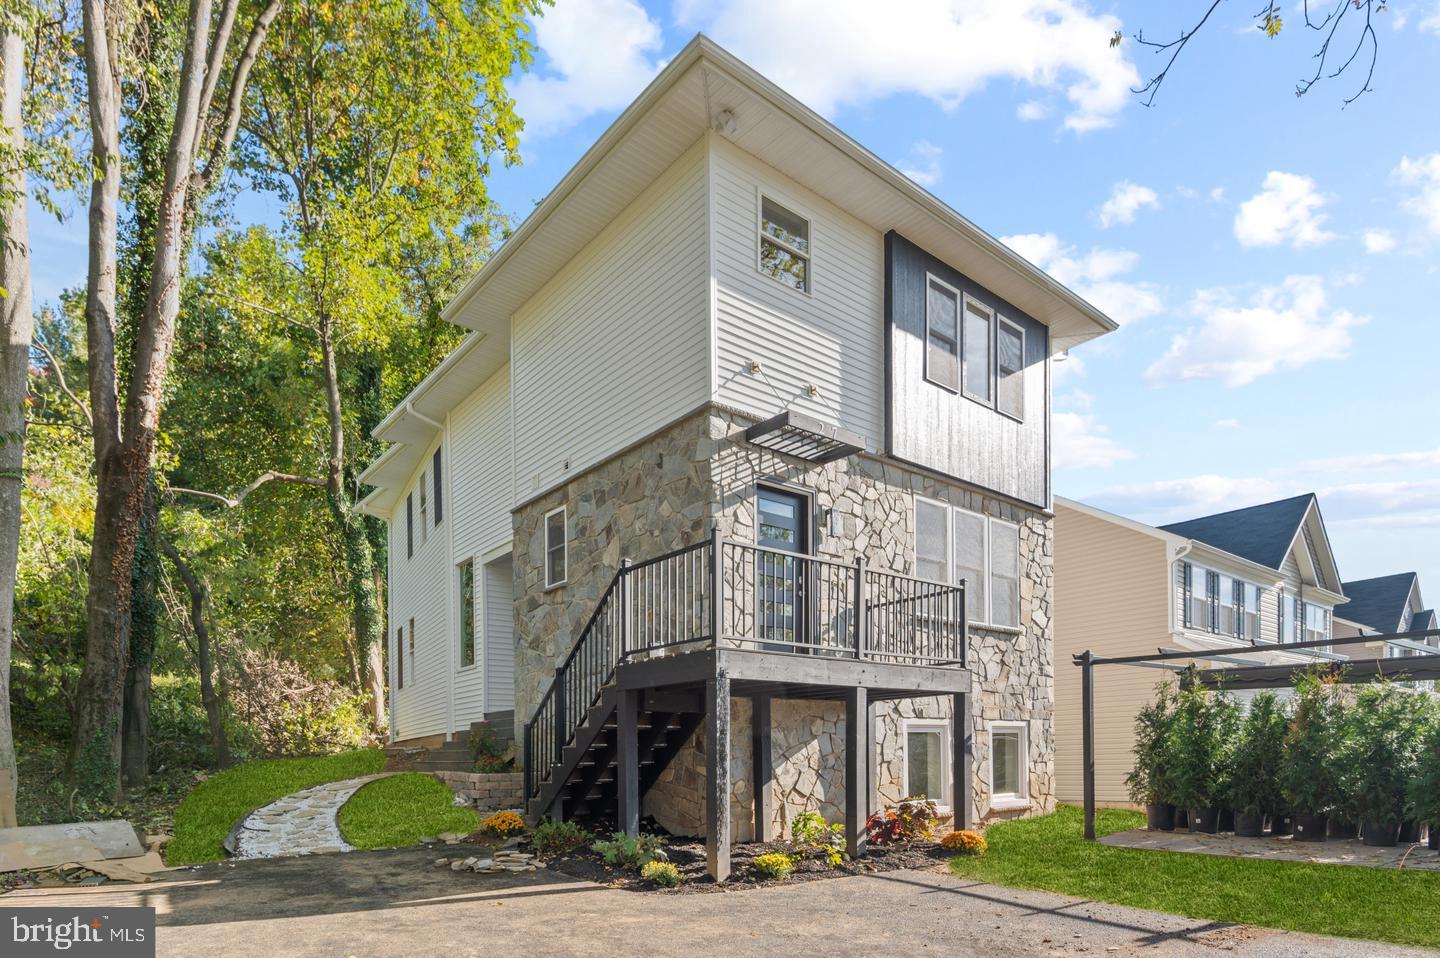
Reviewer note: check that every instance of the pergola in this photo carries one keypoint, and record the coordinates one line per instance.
(1237, 674)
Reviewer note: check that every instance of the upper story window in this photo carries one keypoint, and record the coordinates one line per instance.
(1010, 369)
(1199, 597)
(424, 510)
(467, 613)
(1317, 623)
(410, 526)
(784, 245)
(1285, 618)
(1227, 618)
(1250, 611)
(978, 373)
(435, 475)
(556, 548)
(942, 335)
(953, 544)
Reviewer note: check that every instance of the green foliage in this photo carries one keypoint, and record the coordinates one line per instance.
(909, 821)
(1424, 790)
(288, 713)
(661, 873)
(1251, 775)
(1151, 781)
(490, 754)
(1386, 725)
(1314, 742)
(812, 837)
(208, 813)
(1047, 852)
(1205, 724)
(555, 838)
(773, 866)
(632, 853)
(401, 810)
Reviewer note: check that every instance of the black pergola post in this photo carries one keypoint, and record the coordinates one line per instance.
(627, 783)
(1086, 661)
(762, 766)
(857, 712)
(717, 778)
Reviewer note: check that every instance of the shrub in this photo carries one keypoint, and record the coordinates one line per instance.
(1250, 782)
(812, 837)
(1424, 791)
(1388, 724)
(660, 873)
(489, 753)
(910, 821)
(1205, 724)
(289, 713)
(1151, 781)
(774, 866)
(554, 838)
(965, 843)
(503, 824)
(631, 852)
(1313, 742)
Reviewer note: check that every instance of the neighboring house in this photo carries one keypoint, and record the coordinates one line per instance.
(742, 408)
(1259, 576)
(1389, 605)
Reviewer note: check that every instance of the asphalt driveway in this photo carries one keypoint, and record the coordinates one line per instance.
(395, 902)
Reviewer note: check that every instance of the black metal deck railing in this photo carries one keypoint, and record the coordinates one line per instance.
(727, 593)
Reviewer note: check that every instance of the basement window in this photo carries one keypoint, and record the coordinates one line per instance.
(784, 245)
(1009, 764)
(927, 770)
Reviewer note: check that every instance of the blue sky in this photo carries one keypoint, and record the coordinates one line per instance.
(1271, 258)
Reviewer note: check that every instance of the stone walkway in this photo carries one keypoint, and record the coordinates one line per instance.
(299, 824)
(1335, 851)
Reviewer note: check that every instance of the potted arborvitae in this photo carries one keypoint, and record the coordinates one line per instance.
(1424, 790)
(1254, 765)
(1343, 817)
(1204, 729)
(1307, 767)
(1151, 780)
(1388, 728)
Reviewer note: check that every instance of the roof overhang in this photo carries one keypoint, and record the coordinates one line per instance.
(705, 88)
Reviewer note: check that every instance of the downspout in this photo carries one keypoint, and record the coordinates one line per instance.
(447, 485)
(411, 410)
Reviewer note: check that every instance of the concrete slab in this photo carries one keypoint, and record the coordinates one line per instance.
(43, 846)
(1335, 851)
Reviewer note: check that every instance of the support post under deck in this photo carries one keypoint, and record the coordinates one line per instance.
(762, 766)
(962, 737)
(627, 745)
(857, 727)
(717, 778)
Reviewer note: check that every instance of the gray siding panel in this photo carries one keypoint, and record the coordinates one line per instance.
(933, 427)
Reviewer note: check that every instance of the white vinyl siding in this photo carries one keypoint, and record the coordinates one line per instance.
(499, 636)
(420, 606)
(480, 468)
(832, 339)
(616, 345)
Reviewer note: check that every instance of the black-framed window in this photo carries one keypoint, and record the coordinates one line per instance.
(400, 657)
(942, 334)
(435, 477)
(977, 350)
(1010, 369)
(410, 526)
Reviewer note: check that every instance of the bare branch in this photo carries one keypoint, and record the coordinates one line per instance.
(1152, 87)
(60, 381)
(213, 66)
(235, 501)
(235, 106)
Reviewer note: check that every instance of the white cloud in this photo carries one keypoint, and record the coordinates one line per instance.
(1430, 23)
(1423, 174)
(1094, 275)
(1378, 241)
(842, 53)
(1217, 194)
(1081, 442)
(1032, 110)
(1227, 424)
(1369, 462)
(1286, 210)
(596, 55)
(1285, 326)
(1126, 199)
(1063, 371)
(923, 165)
(1171, 500)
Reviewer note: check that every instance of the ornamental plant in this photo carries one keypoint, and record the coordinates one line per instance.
(1388, 724)
(811, 837)
(965, 843)
(1151, 781)
(909, 821)
(1251, 774)
(555, 838)
(489, 753)
(1313, 744)
(664, 874)
(1204, 732)
(503, 824)
(1424, 790)
(632, 852)
(774, 866)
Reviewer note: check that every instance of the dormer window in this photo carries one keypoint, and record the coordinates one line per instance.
(784, 245)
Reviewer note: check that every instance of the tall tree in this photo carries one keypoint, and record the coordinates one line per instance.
(376, 123)
(214, 71)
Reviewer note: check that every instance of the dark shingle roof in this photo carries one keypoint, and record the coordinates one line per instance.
(1381, 603)
(1424, 619)
(1260, 533)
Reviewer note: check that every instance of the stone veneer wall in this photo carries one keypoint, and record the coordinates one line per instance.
(662, 495)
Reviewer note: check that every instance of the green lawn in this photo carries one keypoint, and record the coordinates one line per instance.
(208, 813)
(401, 810)
(1048, 853)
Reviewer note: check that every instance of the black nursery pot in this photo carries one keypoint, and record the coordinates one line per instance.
(1227, 820)
(1409, 832)
(1434, 843)
(1160, 818)
(1249, 826)
(1309, 828)
(1182, 819)
(1335, 828)
(1378, 835)
(1205, 820)
(1281, 825)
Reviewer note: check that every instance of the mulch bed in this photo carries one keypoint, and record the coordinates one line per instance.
(689, 856)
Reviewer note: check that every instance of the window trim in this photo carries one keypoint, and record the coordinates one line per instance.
(412, 644)
(1020, 330)
(424, 509)
(949, 511)
(990, 523)
(1010, 800)
(399, 660)
(474, 617)
(947, 773)
(989, 352)
(761, 237)
(435, 478)
(959, 334)
(410, 525)
(564, 547)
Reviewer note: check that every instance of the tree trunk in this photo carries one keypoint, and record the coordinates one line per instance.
(198, 599)
(359, 560)
(16, 328)
(144, 628)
